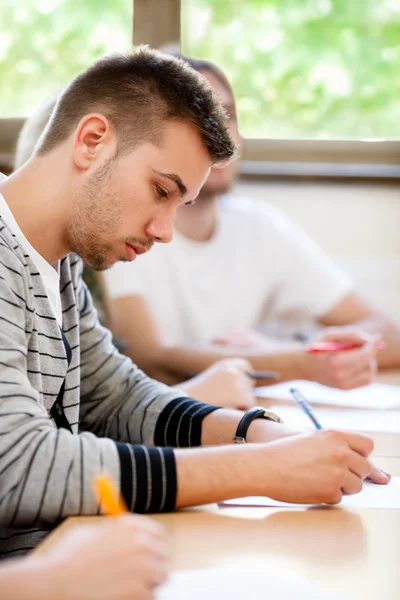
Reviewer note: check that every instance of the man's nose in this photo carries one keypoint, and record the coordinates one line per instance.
(161, 230)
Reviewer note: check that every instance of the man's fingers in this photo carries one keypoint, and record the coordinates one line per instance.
(352, 484)
(360, 443)
(359, 465)
(379, 476)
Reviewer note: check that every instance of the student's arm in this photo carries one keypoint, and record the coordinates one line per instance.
(352, 309)
(133, 408)
(310, 468)
(132, 321)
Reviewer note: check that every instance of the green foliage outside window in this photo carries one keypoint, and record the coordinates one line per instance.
(324, 69)
(300, 68)
(45, 43)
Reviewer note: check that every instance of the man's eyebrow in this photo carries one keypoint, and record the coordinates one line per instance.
(176, 179)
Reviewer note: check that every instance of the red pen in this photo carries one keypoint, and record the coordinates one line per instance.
(320, 347)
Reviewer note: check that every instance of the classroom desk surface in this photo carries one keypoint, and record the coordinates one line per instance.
(353, 552)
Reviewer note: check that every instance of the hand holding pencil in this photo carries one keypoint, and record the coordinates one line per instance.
(124, 558)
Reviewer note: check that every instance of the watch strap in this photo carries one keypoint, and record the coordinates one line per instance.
(254, 413)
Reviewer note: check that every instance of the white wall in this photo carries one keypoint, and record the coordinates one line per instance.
(357, 224)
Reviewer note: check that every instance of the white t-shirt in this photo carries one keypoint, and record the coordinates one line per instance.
(256, 266)
(49, 274)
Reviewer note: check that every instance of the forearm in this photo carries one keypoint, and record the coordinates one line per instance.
(181, 361)
(219, 427)
(216, 474)
(213, 474)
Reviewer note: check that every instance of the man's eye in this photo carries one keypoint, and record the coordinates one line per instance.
(161, 193)
(190, 203)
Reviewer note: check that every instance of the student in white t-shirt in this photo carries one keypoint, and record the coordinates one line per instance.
(233, 264)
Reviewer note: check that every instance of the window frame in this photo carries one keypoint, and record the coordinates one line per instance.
(157, 24)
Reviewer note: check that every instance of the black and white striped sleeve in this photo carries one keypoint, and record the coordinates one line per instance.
(145, 418)
(45, 473)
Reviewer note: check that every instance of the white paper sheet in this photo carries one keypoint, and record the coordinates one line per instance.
(238, 584)
(375, 396)
(371, 496)
(353, 419)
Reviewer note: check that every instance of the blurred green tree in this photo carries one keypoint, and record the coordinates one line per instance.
(44, 43)
(300, 68)
(304, 68)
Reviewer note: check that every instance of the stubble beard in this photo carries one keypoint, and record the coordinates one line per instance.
(95, 219)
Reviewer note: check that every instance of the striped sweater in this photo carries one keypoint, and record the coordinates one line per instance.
(117, 418)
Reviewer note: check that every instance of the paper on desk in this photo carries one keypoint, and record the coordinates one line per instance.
(354, 419)
(371, 496)
(375, 396)
(236, 584)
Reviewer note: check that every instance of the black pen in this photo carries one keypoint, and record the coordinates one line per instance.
(265, 375)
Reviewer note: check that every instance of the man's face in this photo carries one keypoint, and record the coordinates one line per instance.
(221, 180)
(128, 203)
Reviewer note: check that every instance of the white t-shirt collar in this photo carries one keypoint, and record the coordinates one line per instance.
(49, 274)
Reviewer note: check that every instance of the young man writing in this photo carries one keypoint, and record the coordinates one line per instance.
(131, 140)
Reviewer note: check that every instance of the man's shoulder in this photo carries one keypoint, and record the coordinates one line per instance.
(252, 212)
(12, 259)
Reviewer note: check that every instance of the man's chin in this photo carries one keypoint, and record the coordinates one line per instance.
(100, 264)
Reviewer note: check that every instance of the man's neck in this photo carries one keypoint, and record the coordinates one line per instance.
(33, 196)
(198, 222)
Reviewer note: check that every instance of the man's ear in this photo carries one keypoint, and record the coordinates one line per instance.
(93, 137)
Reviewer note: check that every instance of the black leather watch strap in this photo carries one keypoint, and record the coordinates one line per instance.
(254, 413)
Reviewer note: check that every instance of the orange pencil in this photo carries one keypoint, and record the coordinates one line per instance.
(109, 497)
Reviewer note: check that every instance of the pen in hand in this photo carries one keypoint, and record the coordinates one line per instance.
(305, 406)
(263, 375)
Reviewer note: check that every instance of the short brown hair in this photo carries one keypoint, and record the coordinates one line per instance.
(138, 92)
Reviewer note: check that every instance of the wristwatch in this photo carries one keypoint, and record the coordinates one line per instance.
(254, 413)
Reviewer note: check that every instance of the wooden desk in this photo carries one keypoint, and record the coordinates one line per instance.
(355, 553)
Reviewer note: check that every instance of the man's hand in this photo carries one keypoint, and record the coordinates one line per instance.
(225, 383)
(311, 468)
(316, 468)
(379, 477)
(124, 559)
(347, 369)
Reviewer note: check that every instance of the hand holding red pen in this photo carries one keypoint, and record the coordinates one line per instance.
(343, 359)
